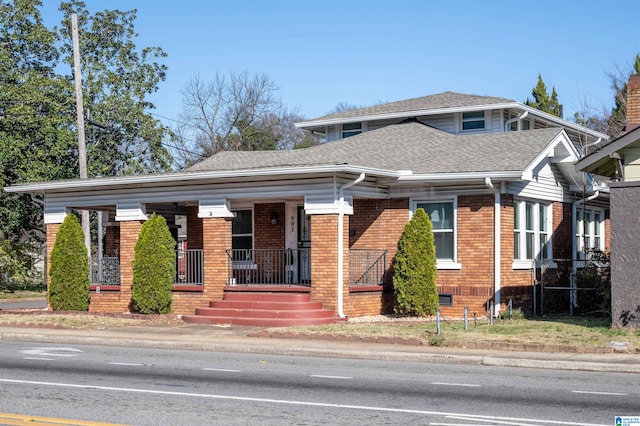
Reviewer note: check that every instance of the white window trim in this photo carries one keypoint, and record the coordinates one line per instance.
(487, 118)
(451, 264)
(253, 226)
(532, 263)
(580, 233)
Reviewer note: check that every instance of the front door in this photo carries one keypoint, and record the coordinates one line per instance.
(304, 246)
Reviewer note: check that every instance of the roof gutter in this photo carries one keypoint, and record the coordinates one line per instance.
(150, 179)
(341, 241)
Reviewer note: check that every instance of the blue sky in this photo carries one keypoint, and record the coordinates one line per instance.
(367, 52)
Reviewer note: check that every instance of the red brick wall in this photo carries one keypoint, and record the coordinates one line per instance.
(112, 240)
(376, 224)
(472, 285)
(266, 235)
(216, 234)
(194, 228)
(324, 263)
(52, 230)
(633, 100)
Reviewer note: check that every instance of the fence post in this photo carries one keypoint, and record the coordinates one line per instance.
(510, 309)
(466, 317)
(438, 321)
(491, 309)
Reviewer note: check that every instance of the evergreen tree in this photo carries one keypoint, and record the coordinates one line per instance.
(415, 271)
(154, 268)
(69, 269)
(542, 100)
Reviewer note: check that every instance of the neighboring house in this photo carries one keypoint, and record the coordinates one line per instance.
(620, 162)
(496, 177)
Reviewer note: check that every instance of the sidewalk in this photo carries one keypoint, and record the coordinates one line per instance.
(256, 340)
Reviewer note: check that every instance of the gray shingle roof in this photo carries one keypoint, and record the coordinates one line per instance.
(409, 145)
(437, 101)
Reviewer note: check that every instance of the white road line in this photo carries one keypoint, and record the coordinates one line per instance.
(320, 376)
(224, 370)
(38, 359)
(288, 402)
(466, 385)
(477, 421)
(130, 364)
(601, 393)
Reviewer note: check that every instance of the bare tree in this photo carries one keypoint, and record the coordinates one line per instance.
(234, 112)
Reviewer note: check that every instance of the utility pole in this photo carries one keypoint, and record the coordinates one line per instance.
(82, 151)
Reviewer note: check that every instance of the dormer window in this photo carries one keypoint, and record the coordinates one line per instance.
(351, 129)
(473, 120)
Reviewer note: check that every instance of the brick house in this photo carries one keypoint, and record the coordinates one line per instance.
(496, 177)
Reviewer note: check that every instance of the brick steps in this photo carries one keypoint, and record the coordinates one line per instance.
(263, 309)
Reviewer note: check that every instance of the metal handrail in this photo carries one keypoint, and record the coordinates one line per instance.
(268, 266)
(189, 267)
(367, 267)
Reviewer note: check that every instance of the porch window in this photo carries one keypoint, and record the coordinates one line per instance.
(442, 214)
(351, 129)
(531, 233)
(589, 232)
(473, 120)
(242, 234)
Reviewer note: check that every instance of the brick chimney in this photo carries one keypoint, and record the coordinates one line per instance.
(633, 102)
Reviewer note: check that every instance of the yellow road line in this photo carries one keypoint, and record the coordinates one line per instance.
(25, 419)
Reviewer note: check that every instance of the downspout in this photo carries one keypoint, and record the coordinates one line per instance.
(520, 117)
(496, 244)
(341, 242)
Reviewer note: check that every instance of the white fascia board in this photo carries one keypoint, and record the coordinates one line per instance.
(214, 208)
(54, 214)
(141, 180)
(549, 151)
(466, 176)
(130, 211)
(403, 114)
(327, 204)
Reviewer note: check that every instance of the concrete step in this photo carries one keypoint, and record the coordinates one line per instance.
(253, 304)
(260, 322)
(265, 313)
(267, 296)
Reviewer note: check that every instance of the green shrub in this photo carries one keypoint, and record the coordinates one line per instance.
(69, 269)
(414, 279)
(154, 268)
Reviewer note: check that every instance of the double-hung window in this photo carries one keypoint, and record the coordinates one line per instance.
(242, 235)
(473, 120)
(531, 233)
(442, 214)
(589, 232)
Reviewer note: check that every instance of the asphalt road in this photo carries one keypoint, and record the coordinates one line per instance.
(151, 386)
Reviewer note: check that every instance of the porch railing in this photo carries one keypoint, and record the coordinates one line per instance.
(189, 267)
(269, 266)
(105, 270)
(367, 267)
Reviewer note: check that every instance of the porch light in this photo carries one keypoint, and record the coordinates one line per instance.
(274, 217)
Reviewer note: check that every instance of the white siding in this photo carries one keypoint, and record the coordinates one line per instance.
(545, 186)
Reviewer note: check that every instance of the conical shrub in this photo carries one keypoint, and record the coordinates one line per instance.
(154, 268)
(69, 268)
(414, 279)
